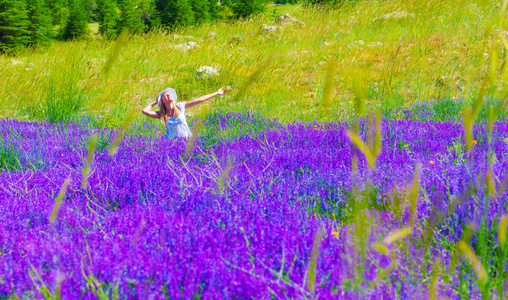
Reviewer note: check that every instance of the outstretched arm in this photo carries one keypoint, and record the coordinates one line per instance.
(220, 92)
(147, 111)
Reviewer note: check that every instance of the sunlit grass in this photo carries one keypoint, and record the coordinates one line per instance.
(405, 51)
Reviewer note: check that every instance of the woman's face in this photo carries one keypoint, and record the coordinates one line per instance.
(167, 99)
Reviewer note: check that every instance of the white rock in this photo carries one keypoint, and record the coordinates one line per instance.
(268, 28)
(186, 46)
(207, 72)
(288, 19)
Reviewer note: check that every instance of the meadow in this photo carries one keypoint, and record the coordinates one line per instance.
(361, 155)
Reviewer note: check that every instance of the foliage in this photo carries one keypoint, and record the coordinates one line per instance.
(14, 25)
(400, 69)
(76, 26)
(200, 9)
(59, 11)
(130, 17)
(149, 14)
(41, 24)
(108, 19)
(175, 13)
(245, 8)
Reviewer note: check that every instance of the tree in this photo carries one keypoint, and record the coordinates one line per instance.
(149, 14)
(175, 12)
(59, 11)
(130, 17)
(76, 26)
(14, 25)
(245, 8)
(41, 25)
(200, 9)
(91, 9)
(214, 10)
(226, 10)
(108, 19)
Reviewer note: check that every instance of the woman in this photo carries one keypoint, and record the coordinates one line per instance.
(172, 114)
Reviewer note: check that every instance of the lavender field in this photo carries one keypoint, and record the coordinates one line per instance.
(271, 211)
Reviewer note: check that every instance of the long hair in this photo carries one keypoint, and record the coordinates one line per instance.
(163, 117)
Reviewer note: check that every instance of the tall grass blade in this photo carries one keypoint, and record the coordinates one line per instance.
(357, 141)
(59, 200)
(434, 280)
(252, 78)
(121, 41)
(92, 145)
(119, 136)
(501, 235)
(414, 194)
(468, 252)
(360, 93)
(397, 235)
(313, 261)
(383, 274)
(328, 88)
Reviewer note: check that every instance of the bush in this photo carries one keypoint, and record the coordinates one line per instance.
(245, 8)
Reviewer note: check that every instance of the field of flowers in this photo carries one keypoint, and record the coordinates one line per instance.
(269, 210)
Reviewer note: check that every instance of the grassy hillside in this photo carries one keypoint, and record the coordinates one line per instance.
(398, 52)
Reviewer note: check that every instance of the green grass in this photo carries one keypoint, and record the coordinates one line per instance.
(403, 52)
(94, 27)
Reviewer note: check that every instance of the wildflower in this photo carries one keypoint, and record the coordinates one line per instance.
(492, 125)
(333, 214)
(431, 162)
(240, 124)
(398, 114)
(335, 234)
(323, 127)
(474, 142)
(140, 133)
(315, 217)
(460, 112)
(158, 132)
(315, 126)
(398, 119)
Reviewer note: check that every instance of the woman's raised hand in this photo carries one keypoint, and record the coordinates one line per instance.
(222, 91)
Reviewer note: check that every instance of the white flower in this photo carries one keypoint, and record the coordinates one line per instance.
(207, 72)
